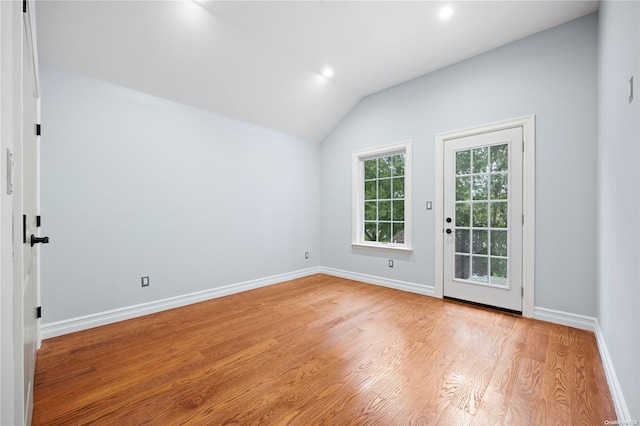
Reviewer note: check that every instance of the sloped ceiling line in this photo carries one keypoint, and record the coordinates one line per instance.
(259, 61)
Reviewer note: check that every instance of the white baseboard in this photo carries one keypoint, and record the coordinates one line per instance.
(72, 325)
(565, 318)
(622, 410)
(385, 282)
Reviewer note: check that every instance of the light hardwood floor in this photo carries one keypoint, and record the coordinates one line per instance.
(323, 351)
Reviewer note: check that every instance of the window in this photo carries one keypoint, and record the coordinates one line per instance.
(382, 198)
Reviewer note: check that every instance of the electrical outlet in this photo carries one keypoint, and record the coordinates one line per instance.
(390, 263)
(145, 281)
(306, 254)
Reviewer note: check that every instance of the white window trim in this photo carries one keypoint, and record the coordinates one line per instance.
(357, 240)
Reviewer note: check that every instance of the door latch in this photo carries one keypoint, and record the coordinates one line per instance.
(36, 240)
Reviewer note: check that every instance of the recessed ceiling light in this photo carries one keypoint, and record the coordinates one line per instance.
(327, 72)
(445, 12)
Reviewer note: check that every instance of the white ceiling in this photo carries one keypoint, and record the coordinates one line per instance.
(260, 62)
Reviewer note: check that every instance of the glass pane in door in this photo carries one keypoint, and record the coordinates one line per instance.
(482, 207)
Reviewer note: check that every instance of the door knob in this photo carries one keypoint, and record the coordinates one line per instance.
(448, 220)
(36, 240)
(448, 231)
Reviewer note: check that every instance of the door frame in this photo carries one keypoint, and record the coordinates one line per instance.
(13, 22)
(528, 126)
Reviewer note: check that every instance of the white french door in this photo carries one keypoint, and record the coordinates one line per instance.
(483, 213)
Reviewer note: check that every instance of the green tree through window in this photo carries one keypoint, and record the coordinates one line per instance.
(384, 199)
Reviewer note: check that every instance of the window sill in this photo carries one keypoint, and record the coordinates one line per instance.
(380, 247)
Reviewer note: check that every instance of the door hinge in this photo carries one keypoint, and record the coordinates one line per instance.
(522, 146)
(38, 129)
(39, 312)
(38, 221)
(522, 291)
(523, 219)
(24, 6)
(24, 228)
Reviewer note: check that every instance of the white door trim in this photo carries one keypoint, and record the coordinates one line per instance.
(528, 195)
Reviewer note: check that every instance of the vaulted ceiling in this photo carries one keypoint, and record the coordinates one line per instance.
(262, 62)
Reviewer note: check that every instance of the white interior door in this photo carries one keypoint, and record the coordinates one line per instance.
(482, 253)
(29, 162)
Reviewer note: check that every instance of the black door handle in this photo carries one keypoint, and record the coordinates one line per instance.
(36, 240)
(448, 231)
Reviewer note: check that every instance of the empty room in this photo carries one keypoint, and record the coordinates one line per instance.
(320, 212)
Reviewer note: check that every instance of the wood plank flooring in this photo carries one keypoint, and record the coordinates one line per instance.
(323, 351)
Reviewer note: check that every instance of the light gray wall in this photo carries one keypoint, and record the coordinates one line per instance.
(133, 185)
(619, 180)
(552, 75)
